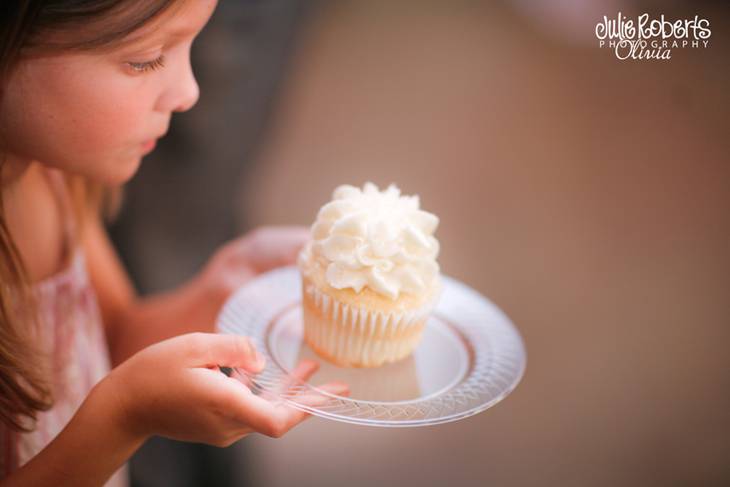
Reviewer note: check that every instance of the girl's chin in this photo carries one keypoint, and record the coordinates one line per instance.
(109, 170)
(118, 173)
(126, 173)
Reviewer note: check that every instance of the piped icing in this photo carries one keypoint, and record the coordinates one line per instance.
(381, 240)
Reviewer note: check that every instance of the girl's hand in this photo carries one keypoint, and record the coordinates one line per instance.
(194, 306)
(175, 389)
(240, 260)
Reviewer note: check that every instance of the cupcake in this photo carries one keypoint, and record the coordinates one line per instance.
(369, 276)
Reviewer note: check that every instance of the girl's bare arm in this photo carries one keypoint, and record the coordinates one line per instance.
(172, 389)
(86, 453)
(133, 323)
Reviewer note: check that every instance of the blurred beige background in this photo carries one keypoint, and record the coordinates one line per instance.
(587, 197)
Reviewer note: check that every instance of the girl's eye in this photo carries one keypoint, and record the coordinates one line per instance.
(148, 65)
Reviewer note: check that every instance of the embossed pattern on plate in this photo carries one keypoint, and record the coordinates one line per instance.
(470, 358)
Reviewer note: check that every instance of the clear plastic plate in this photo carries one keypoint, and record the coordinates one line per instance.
(470, 358)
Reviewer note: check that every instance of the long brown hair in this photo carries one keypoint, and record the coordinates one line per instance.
(31, 27)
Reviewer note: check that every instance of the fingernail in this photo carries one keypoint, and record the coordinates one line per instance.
(250, 350)
(310, 363)
(260, 359)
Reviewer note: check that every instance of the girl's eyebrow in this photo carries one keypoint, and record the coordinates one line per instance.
(181, 33)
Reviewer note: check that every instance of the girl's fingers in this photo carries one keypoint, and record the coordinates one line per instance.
(301, 373)
(270, 247)
(294, 239)
(315, 398)
(294, 385)
(212, 350)
(305, 369)
(269, 418)
(290, 384)
(336, 388)
(274, 418)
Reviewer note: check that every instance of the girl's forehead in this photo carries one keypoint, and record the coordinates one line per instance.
(129, 23)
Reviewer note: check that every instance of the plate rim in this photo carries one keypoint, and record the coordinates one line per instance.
(508, 329)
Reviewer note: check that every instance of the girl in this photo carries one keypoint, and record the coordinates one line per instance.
(86, 88)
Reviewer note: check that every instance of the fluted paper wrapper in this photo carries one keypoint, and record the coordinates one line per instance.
(354, 336)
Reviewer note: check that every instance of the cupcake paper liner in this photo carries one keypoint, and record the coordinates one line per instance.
(355, 336)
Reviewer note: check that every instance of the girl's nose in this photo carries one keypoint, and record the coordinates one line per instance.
(183, 91)
(189, 93)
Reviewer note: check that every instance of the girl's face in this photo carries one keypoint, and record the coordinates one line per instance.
(97, 113)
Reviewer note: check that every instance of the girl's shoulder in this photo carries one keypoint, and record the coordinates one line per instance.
(40, 219)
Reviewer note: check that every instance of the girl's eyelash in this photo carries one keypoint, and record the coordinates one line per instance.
(148, 65)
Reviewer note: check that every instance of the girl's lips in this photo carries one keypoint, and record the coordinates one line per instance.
(149, 146)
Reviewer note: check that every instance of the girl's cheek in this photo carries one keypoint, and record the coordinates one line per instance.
(121, 109)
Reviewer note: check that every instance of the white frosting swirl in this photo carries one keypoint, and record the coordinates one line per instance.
(377, 239)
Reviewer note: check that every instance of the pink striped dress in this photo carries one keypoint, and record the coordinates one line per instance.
(72, 334)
